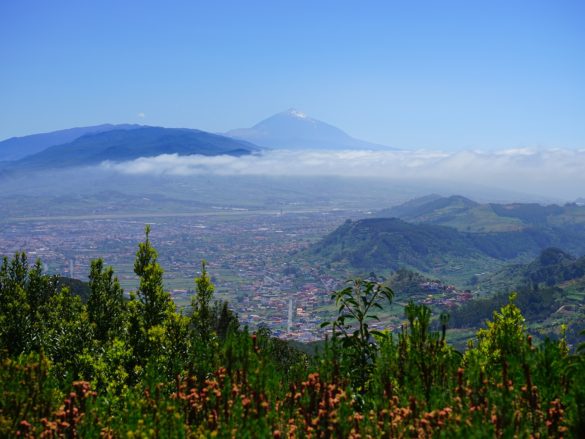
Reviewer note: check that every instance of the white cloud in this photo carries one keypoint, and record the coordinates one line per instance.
(141, 115)
(557, 172)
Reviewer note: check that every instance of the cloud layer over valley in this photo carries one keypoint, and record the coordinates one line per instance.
(558, 173)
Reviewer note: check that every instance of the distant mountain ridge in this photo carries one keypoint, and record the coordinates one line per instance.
(293, 129)
(469, 216)
(16, 148)
(122, 145)
(428, 208)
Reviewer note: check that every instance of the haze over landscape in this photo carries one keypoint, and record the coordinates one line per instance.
(431, 153)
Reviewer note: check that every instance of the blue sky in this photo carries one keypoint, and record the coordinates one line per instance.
(410, 74)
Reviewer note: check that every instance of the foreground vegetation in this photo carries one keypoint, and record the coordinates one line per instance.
(113, 367)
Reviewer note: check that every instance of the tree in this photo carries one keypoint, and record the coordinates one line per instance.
(15, 317)
(425, 358)
(504, 339)
(67, 334)
(155, 303)
(148, 309)
(201, 318)
(24, 295)
(225, 320)
(106, 302)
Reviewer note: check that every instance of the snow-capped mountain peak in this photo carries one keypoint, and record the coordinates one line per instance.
(296, 113)
(294, 129)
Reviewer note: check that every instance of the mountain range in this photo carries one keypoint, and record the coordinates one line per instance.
(123, 144)
(91, 145)
(18, 147)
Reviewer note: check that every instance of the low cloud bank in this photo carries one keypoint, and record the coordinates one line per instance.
(554, 172)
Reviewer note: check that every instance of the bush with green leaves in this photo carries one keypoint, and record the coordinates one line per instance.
(356, 306)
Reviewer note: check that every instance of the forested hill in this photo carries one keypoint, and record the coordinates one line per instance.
(390, 243)
(552, 267)
(382, 244)
(550, 291)
(467, 215)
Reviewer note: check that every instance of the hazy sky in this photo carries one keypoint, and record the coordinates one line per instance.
(410, 74)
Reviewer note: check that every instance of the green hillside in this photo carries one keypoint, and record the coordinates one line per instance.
(550, 291)
(384, 244)
(388, 243)
(551, 267)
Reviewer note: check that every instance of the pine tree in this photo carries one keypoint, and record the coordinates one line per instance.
(155, 303)
(24, 294)
(106, 302)
(201, 319)
(149, 308)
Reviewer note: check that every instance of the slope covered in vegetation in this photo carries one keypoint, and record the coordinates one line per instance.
(390, 243)
(138, 368)
(550, 292)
